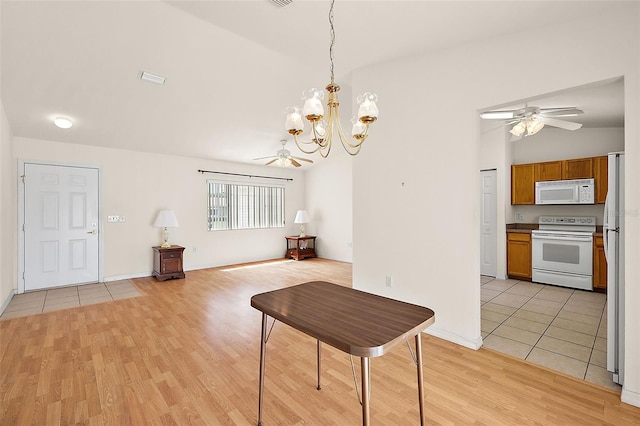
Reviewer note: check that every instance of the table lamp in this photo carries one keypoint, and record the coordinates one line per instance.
(302, 217)
(166, 219)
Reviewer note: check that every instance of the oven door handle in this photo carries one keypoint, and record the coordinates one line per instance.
(558, 238)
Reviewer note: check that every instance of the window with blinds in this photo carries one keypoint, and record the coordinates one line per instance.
(237, 206)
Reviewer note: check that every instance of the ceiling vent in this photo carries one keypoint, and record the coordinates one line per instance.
(152, 78)
(281, 3)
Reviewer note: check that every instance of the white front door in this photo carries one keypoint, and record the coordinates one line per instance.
(61, 217)
(488, 223)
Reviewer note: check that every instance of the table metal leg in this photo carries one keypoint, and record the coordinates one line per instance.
(364, 371)
(420, 383)
(263, 347)
(319, 362)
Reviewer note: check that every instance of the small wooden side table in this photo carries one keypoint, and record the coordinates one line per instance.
(167, 262)
(300, 247)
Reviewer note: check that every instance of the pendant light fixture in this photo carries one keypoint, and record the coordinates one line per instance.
(322, 130)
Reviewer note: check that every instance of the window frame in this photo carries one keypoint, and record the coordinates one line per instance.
(245, 205)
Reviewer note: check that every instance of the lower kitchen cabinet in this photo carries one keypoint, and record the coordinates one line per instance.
(599, 265)
(519, 255)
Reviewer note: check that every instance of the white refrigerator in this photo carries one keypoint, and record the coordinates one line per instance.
(613, 233)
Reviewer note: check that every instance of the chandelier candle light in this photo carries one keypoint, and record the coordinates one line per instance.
(322, 130)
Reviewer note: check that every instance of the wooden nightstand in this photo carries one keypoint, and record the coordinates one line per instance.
(301, 247)
(167, 262)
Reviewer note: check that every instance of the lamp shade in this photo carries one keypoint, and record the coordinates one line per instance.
(302, 217)
(166, 219)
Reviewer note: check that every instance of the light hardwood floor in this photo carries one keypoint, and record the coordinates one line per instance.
(187, 352)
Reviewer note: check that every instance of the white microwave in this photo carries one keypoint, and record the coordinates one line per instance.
(578, 191)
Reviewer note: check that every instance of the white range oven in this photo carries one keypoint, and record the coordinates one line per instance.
(562, 251)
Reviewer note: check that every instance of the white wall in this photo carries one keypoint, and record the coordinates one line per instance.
(418, 216)
(137, 185)
(556, 144)
(494, 152)
(329, 202)
(7, 213)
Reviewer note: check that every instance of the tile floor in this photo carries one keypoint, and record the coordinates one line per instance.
(36, 302)
(560, 328)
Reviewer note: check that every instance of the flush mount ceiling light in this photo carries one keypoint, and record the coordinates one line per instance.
(322, 130)
(152, 78)
(63, 123)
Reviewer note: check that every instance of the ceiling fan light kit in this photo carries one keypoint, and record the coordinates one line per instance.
(322, 130)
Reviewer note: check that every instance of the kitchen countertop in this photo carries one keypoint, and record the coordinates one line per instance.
(521, 228)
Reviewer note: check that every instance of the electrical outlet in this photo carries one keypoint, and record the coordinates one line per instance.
(519, 217)
(194, 249)
(389, 281)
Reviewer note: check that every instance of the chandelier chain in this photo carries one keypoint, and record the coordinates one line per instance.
(333, 38)
(324, 124)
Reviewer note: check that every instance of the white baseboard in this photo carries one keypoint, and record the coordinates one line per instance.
(474, 344)
(197, 267)
(6, 302)
(630, 397)
(126, 277)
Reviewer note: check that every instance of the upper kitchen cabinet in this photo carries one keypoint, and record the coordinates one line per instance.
(601, 175)
(550, 170)
(523, 184)
(525, 176)
(580, 168)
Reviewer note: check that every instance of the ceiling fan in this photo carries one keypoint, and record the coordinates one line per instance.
(284, 158)
(530, 120)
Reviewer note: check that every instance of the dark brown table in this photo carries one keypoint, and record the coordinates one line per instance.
(356, 322)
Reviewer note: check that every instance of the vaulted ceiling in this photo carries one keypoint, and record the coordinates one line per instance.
(231, 67)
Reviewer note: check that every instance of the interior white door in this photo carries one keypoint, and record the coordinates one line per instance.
(488, 223)
(61, 216)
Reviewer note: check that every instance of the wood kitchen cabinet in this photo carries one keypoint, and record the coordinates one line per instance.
(599, 265)
(167, 262)
(522, 184)
(601, 176)
(524, 177)
(519, 255)
(550, 170)
(579, 168)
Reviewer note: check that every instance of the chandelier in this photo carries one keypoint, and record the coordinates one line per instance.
(322, 130)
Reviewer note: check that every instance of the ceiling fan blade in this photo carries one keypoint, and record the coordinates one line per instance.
(270, 162)
(560, 112)
(294, 162)
(498, 115)
(567, 125)
(264, 158)
(302, 159)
